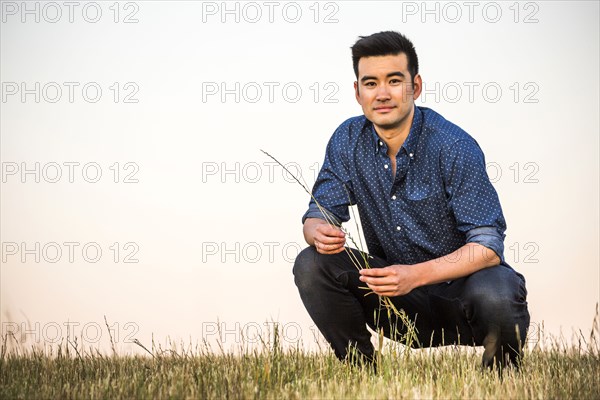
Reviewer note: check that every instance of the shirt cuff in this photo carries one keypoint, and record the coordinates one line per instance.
(489, 237)
(314, 212)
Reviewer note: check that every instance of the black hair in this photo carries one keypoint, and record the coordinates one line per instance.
(384, 44)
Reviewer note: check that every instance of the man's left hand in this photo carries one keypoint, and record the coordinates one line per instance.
(394, 280)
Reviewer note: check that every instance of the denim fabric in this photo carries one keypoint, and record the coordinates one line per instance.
(487, 308)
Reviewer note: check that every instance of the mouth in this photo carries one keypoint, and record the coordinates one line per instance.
(384, 108)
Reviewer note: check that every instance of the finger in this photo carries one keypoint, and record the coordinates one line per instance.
(338, 250)
(375, 272)
(388, 290)
(390, 294)
(330, 230)
(328, 248)
(331, 252)
(394, 292)
(379, 281)
(330, 239)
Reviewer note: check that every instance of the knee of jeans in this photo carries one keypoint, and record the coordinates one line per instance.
(496, 291)
(306, 268)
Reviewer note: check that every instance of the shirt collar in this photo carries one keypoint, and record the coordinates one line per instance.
(410, 144)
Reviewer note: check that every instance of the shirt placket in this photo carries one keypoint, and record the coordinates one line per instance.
(401, 235)
(385, 164)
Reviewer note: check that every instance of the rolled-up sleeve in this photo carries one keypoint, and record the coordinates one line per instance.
(472, 198)
(333, 188)
(314, 212)
(489, 237)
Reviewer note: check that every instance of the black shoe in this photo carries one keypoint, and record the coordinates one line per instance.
(492, 354)
(495, 354)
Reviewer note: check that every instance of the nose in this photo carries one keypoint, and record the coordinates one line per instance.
(383, 93)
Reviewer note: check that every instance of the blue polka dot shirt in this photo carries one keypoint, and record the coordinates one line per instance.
(440, 199)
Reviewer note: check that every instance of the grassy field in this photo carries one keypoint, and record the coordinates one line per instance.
(550, 369)
(293, 374)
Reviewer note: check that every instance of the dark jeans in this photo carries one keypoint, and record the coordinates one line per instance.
(486, 308)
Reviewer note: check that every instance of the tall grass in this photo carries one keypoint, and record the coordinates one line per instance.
(550, 369)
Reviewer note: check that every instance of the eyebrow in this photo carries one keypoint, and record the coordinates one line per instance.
(395, 73)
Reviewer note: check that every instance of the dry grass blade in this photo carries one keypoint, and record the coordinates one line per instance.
(112, 341)
(143, 347)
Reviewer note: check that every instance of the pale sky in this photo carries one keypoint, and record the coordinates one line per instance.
(132, 133)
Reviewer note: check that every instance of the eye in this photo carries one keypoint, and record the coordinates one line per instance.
(395, 81)
(370, 84)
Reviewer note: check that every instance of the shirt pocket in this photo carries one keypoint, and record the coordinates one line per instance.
(427, 208)
(420, 193)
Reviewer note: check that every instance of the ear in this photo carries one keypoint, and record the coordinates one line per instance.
(417, 86)
(356, 92)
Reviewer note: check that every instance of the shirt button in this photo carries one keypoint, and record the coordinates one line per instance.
(411, 155)
(394, 197)
(380, 143)
(397, 228)
(385, 166)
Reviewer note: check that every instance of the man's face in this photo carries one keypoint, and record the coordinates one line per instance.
(386, 91)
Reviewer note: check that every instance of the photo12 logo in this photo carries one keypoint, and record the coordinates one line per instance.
(69, 92)
(252, 12)
(68, 172)
(290, 333)
(53, 12)
(55, 332)
(453, 12)
(71, 252)
(487, 92)
(250, 252)
(254, 172)
(269, 92)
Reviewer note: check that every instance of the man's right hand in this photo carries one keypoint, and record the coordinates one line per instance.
(326, 238)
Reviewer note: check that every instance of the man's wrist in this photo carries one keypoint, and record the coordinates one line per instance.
(419, 271)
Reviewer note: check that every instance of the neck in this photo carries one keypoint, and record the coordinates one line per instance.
(394, 137)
